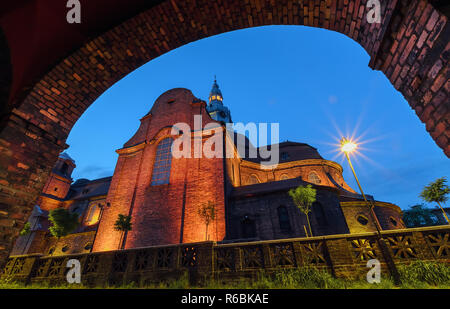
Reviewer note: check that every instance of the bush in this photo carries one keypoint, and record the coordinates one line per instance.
(305, 277)
(432, 273)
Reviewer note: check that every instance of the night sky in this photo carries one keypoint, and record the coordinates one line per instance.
(315, 83)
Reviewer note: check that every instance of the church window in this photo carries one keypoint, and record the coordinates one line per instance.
(93, 214)
(284, 156)
(283, 218)
(393, 221)
(51, 250)
(313, 178)
(248, 228)
(319, 212)
(362, 220)
(284, 177)
(65, 248)
(163, 161)
(64, 168)
(253, 179)
(232, 173)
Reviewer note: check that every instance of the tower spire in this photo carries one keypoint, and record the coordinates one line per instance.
(215, 94)
(215, 106)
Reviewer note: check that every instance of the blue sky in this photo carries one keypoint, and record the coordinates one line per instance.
(315, 83)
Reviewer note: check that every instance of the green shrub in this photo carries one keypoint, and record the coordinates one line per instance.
(306, 277)
(433, 273)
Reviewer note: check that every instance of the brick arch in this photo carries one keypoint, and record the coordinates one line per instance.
(5, 74)
(409, 45)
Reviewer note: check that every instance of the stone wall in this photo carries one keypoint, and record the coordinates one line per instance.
(262, 209)
(345, 256)
(389, 216)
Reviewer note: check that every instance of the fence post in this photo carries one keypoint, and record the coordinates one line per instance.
(340, 258)
(205, 262)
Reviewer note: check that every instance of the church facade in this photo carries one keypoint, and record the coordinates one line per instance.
(162, 193)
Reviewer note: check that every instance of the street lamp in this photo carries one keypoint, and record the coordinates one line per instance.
(347, 147)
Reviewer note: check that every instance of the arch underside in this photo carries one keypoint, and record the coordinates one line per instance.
(410, 46)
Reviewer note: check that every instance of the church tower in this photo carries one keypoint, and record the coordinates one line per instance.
(215, 106)
(58, 183)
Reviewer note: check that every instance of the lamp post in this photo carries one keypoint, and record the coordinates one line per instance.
(347, 147)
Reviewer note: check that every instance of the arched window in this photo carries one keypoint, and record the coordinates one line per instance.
(283, 218)
(163, 161)
(64, 168)
(248, 228)
(319, 212)
(313, 178)
(284, 177)
(253, 179)
(93, 214)
(362, 219)
(285, 156)
(393, 221)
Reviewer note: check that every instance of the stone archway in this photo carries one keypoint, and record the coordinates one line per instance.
(410, 46)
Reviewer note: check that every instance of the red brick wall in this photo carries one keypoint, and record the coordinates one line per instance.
(59, 183)
(157, 211)
(296, 169)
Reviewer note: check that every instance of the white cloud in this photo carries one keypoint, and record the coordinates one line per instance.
(332, 99)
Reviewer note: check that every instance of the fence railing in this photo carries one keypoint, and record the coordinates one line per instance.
(342, 255)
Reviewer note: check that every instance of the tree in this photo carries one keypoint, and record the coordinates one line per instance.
(122, 224)
(419, 215)
(26, 229)
(303, 198)
(64, 222)
(207, 213)
(437, 191)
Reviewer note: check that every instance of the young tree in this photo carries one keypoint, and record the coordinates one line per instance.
(26, 229)
(303, 198)
(64, 222)
(123, 224)
(437, 191)
(207, 213)
(419, 215)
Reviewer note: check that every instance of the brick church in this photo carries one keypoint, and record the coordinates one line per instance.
(163, 193)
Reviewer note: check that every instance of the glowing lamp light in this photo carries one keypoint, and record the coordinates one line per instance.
(347, 146)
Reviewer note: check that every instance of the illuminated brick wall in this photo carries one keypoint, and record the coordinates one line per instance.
(167, 213)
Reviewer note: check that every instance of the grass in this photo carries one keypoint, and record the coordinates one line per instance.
(417, 275)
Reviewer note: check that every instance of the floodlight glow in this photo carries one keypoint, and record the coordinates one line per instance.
(347, 146)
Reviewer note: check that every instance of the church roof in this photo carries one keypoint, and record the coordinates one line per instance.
(215, 90)
(269, 187)
(65, 156)
(288, 151)
(84, 188)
